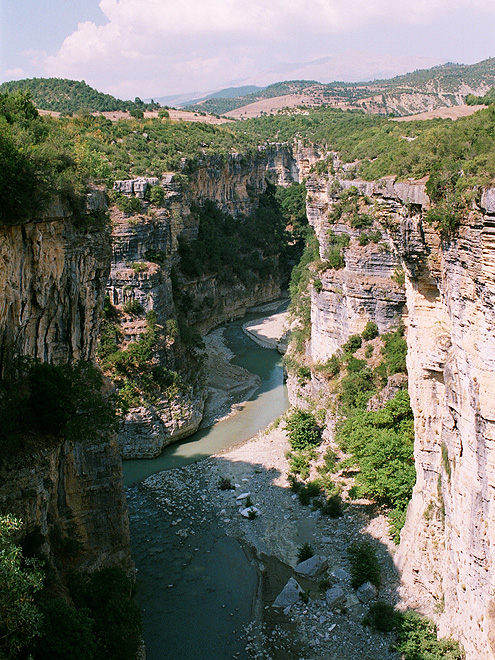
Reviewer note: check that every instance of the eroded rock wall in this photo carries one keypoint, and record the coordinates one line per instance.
(235, 184)
(446, 553)
(53, 280)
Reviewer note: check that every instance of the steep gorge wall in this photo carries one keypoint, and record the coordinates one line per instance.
(53, 280)
(445, 556)
(234, 184)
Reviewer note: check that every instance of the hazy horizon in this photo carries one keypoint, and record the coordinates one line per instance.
(157, 48)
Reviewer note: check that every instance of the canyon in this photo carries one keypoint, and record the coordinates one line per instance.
(55, 278)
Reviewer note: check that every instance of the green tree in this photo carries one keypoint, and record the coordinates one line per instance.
(20, 579)
(303, 431)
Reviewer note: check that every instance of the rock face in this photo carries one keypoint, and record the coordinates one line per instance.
(446, 553)
(363, 290)
(53, 280)
(71, 500)
(151, 240)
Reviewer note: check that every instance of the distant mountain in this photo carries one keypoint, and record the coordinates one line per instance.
(66, 96)
(351, 66)
(423, 90)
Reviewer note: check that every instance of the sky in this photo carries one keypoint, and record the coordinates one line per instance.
(155, 48)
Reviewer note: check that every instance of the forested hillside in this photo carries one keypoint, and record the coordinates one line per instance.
(69, 96)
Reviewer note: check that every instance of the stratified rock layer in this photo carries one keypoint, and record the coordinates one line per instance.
(446, 554)
(69, 495)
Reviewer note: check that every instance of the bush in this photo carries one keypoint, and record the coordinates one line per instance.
(364, 564)
(333, 507)
(20, 579)
(129, 205)
(381, 616)
(370, 331)
(156, 195)
(299, 463)
(417, 640)
(133, 307)
(303, 431)
(67, 632)
(309, 492)
(57, 401)
(305, 552)
(224, 483)
(352, 344)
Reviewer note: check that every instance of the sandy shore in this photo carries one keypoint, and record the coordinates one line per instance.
(267, 331)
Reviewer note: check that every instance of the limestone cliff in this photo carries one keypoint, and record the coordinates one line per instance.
(144, 269)
(53, 280)
(446, 553)
(445, 556)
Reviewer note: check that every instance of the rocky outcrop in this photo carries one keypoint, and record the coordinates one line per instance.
(69, 495)
(51, 282)
(446, 553)
(71, 499)
(145, 252)
(345, 299)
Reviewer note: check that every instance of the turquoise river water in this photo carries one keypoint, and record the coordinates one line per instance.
(197, 594)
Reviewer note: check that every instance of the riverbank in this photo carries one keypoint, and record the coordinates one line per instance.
(313, 628)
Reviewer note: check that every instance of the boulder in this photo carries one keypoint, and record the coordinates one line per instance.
(335, 597)
(367, 592)
(341, 575)
(289, 595)
(312, 567)
(245, 513)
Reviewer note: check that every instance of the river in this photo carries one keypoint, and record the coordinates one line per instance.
(197, 590)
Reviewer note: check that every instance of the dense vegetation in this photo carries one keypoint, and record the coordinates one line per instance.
(50, 402)
(41, 157)
(415, 636)
(69, 96)
(96, 619)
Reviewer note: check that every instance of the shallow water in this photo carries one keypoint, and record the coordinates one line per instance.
(266, 404)
(196, 587)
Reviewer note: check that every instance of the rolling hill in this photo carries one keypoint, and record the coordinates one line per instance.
(424, 90)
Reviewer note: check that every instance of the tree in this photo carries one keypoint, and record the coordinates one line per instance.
(20, 579)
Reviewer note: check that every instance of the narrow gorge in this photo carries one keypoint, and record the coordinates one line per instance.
(131, 271)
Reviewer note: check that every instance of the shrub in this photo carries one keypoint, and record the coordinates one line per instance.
(417, 639)
(299, 464)
(139, 266)
(133, 307)
(303, 431)
(364, 564)
(156, 195)
(308, 492)
(67, 632)
(163, 114)
(331, 368)
(20, 579)
(352, 344)
(224, 483)
(333, 507)
(57, 401)
(370, 331)
(395, 351)
(129, 205)
(381, 616)
(305, 552)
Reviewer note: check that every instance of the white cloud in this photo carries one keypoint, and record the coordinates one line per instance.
(14, 73)
(199, 44)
